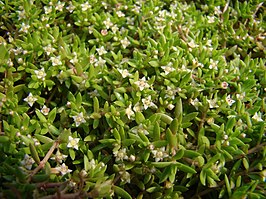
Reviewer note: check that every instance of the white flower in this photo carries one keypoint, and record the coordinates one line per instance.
(63, 169)
(217, 10)
(100, 62)
(170, 92)
(115, 28)
(168, 68)
(60, 5)
(217, 167)
(21, 14)
(229, 100)
(92, 59)
(45, 110)
(49, 49)
(101, 50)
(212, 103)
(24, 28)
(120, 13)
(47, 9)
(74, 60)
(91, 28)
(148, 103)
(159, 154)
(10, 63)
(30, 99)
(79, 119)
(142, 84)
(27, 162)
(170, 106)
(73, 142)
(241, 96)
(71, 7)
(120, 154)
(196, 103)
(184, 68)
(36, 142)
(108, 23)
(137, 107)
(40, 74)
(195, 62)
(56, 60)
(92, 164)
(83, 173)
(225, 137)
(61, 76)
(139, 128)
(136, 9)
(85, 6)
(211, 19)
(59, 157)
(125, 176)
(104, 32)
(224, 85)
(192, 44)
(213, 64)
(124, 72)
(132, 158)
(125, 43)
(257, 117)
(129, 111)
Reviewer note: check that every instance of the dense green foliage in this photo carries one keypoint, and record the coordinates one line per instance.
(132, 99)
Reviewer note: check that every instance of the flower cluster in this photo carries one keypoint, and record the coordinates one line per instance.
(132, 99)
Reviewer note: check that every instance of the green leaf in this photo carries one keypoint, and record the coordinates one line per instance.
(179, 110)
(185, 168)
(212, 161)
(132, 64)
(174, 126)
(96, 107)
(211, 174)
(191, 154)
(34, 153)
(139, 117)
(156, 131)
(154, 63)
(52, 115)
(153, 189)
(3, 54)
(180, 153)
(165, 118)
(189, 117)
(18, 88)
(79, 99)
(161, 164)
(245, 163)
(4, 139)
(86, 163)
(227, 183)
(169, 137)
(128, 142)
(116, 134)
(53, 130)
(40, 178)
(121, 192)
(203, 177)
(43, 138)
(143, 137)
(72, 154)
(40, 116)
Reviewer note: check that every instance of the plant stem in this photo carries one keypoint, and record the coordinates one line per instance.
(66, 196)
(45, 159)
